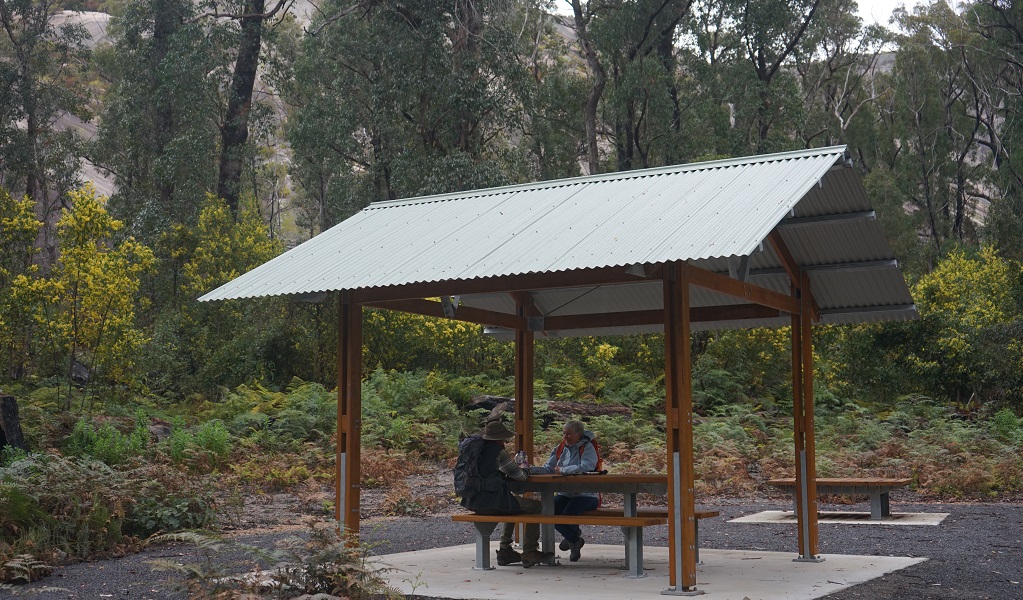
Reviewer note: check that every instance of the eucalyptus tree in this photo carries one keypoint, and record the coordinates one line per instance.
(642, 107)
(997, 65)
(251, 18)
(934, 124)
(41, 81)
(836, 64)
(158, 130)
(744, 58)
(406, 98)
(765, 98)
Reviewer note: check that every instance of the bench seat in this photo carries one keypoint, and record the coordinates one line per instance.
(485, 525)
(877, 488)
(662, 511)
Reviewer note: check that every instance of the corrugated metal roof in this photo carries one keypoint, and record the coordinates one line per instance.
(701, 213)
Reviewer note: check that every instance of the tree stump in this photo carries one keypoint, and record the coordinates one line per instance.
(10, 426)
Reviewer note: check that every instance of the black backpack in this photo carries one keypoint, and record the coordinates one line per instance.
(467, 472)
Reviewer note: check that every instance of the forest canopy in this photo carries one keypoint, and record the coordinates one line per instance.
(219, 134)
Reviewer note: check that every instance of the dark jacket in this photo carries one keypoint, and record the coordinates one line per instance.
(493, 497)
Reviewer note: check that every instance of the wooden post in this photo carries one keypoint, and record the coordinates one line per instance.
(349, 415)
(524, 344)
(802, 408)
(10, 424)
(679, 412)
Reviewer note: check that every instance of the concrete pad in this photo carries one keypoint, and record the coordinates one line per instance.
(724, 575)
(852, 518)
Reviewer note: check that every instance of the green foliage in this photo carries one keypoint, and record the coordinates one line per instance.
(82, 507)
(97, 282)
(633, 432)
(106, 443)
(44, 62)
(213, 437)
(158, 512)
(406, 342)
(645, 395)
(21, 228)
(208, 441)
(1007, 427)
(157, 131)
(199, 347)
(406, 411)
(966, 304)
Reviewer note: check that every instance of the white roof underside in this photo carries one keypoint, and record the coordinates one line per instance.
(702, 213)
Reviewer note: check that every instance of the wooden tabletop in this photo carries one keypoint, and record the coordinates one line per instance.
(869, 481)
(620, 483)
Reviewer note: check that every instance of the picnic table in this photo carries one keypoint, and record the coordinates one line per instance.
(877, 488)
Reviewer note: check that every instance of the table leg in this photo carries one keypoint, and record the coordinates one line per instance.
(879, 506)
(633, 541)
(483, 531)
(547, 530)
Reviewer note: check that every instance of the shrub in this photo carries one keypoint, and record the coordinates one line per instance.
(213, 437)
(107, 443)
(82, 507)
(328, 564)
(1006, 426)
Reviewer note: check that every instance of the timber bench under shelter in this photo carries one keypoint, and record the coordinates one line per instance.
(877, 488)
(485, 525)
(645, 517)
(778, 240)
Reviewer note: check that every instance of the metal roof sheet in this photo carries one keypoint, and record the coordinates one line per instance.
(702, 213)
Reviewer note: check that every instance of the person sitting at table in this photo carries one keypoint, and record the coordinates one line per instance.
(577, 456)
(494, 498)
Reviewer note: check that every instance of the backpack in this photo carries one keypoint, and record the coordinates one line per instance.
(596, 448)
(467, 472)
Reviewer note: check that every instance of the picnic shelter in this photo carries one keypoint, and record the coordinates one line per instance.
(787, 239)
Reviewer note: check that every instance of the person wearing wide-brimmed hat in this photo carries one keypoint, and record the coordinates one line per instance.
(493, 497)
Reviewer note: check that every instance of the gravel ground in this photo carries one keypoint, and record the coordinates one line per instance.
(977, 552)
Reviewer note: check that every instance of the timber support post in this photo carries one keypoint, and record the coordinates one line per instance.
(349, 415)
(679, 412)
(802, 408)
(524, 344)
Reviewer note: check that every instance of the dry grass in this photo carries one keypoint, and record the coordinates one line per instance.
(383, 468)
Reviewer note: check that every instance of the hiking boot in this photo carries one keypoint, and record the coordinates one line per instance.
(535, 557)
(565, 545)
(575, 547)
(507, 556)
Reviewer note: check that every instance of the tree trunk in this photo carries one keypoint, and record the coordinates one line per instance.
(10, 425)
(234, 133)
(165, 24)
(597, 83)
(666, 53)
(465, 37)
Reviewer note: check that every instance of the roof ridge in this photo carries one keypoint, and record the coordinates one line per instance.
(608, 177)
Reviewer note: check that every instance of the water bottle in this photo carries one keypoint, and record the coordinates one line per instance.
(521, 460)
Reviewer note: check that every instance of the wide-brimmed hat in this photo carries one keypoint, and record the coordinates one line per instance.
(495, 430)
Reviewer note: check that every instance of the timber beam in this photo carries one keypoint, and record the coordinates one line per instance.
(430, 308)
(506, 283)
(792, 268)
(746, 291)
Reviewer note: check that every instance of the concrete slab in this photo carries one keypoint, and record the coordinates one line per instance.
(852, 518)
(724, 575)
